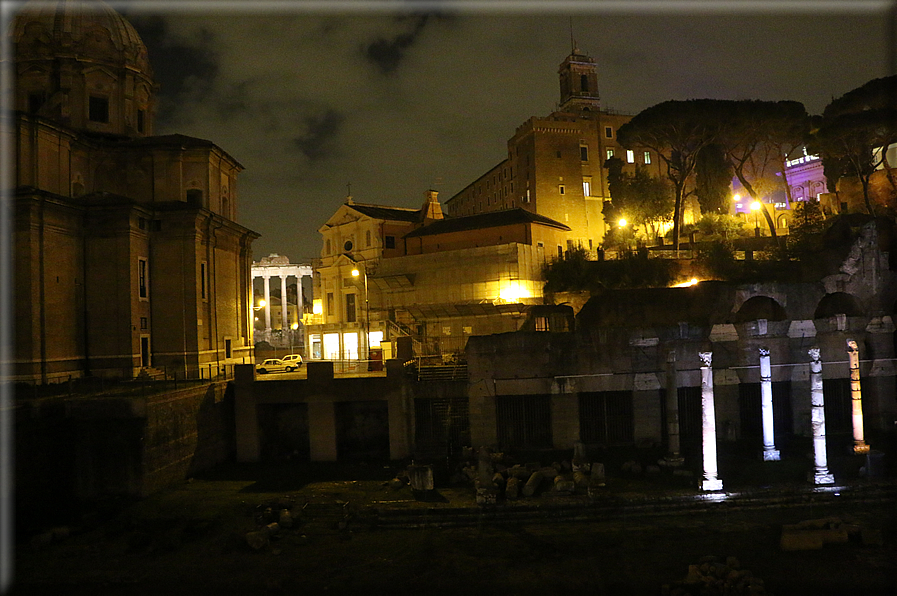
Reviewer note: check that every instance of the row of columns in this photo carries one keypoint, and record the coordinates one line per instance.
(711, 481)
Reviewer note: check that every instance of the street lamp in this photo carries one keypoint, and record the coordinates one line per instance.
(755, 207)
(367, 308)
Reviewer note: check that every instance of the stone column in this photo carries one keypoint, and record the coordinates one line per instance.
(856, 398)
(267, 279)
(708, 424)
(817, 417)
(770, 453)
(672, 410)
(283, 303)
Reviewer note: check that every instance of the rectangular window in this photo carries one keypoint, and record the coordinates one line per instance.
(98, 109)
(330, 304)
(561, 189)
(367, 238)
(144, 324)
(327, 246)
(390, 242)
(350, 308)
(141, 223)
(610, 153)
(204, 280)
(608, 132)
(142, 289)
(647, 157)
(560, 251)
(541, 323)
(630, 156)
(526, 198)
(587, 186)
(583, 153)
(559, 154)
(140, 120)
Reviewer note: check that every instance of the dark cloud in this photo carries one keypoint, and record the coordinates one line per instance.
(179, 69)
(320, 130)
(386, 54)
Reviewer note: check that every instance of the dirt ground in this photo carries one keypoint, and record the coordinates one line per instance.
(191, 539)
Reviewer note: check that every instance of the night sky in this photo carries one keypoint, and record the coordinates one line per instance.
(313, 96)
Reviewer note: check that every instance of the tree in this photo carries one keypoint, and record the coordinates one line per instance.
(757, 137)
(855, 131)
(676, 131)
(713, 179)
(640, 198)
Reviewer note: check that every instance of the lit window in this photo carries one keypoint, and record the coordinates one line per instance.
(630, 156)
(610, 153)
(587, 186)
(541, 323)
(647, 157)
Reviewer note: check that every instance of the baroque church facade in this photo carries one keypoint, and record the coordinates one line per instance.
(127, 250)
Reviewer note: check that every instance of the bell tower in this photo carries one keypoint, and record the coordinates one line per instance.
(579, 83)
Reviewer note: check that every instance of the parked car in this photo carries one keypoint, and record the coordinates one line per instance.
(273, 365)
(294, 359)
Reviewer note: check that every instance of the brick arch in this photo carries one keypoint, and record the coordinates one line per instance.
(838, 303)
(760, 307)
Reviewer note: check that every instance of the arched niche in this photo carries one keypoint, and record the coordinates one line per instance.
(760, 307)
(838, 303)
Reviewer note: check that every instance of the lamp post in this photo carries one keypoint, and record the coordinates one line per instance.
(755, 207)
(367, 311)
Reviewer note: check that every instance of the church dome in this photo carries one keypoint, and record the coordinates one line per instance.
(74, 50)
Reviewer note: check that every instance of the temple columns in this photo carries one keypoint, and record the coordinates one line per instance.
(708, 425)
(817, 416)
(770, 453)
(856, 398)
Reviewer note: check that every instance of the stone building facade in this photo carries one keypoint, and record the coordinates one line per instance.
(127, 250)
(418, 274)
(555, 164)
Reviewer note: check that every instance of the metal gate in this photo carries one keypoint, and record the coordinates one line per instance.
(605, 417)
(750, 409)
(441, 426)
(524, 421)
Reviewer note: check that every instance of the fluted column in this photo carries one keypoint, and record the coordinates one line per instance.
(283, 302)
(708, 424)
(817, 418)
(856, 398)
(770, 453)
(267, 279)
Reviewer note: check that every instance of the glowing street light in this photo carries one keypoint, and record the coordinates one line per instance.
(367, 309)
(755, 207)
(622, 223)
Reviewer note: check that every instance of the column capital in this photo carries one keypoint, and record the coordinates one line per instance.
(706, 358)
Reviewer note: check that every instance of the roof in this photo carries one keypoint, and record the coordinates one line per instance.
(479, 221)
(390, 213)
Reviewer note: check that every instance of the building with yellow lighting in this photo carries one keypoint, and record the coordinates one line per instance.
(388, 272)
(555, 164)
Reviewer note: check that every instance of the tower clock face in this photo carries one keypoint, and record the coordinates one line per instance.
(347, 246)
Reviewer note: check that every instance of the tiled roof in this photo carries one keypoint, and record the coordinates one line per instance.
(390, 213)
(485, 220)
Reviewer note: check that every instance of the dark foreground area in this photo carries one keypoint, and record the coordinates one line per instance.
(362, 536)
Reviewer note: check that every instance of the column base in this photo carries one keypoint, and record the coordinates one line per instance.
(822, 478)
(771, 455)
(672, 461)
(861, 448)
(715, 484)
